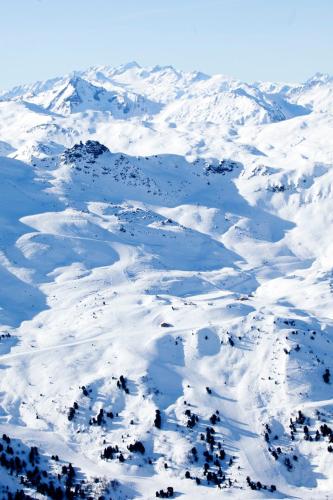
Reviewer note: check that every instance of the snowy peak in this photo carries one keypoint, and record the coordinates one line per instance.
(319, 78)
(315, 94)
(123, 68)
(78, 95)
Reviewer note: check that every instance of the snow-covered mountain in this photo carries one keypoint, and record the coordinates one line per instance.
(166, 303)
(77, 95)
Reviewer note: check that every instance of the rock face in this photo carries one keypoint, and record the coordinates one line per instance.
(166, 287)
(223, 167)
(92, 149)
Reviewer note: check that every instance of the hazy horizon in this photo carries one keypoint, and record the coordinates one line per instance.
(246, 40)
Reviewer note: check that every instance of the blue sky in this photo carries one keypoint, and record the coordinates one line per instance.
(247, 39)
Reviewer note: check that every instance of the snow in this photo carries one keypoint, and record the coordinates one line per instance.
(175, 231)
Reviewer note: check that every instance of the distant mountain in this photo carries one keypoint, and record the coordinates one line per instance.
(76, 95)
(132, 90)
(316, 94)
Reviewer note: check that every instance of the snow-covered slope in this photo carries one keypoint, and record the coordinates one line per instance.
(129, 106)
(76, 95)
(166, 300)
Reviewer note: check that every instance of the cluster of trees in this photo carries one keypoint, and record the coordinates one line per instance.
(192, 419)
(99, 419)
(257, 485)
(323, 431)
(288, 463)
(276, 453)
(327, 376)
(212, 455)
(299, 420)
(209, 437)
(85, 391)
(34, 473)
(5, 336)
(109, 452)
(72, 410)
(165, 494)
(215, 418)
(268, 432)
(158, 420)
(122, 384)
(136, 447)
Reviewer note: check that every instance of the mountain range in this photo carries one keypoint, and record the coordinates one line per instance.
(166, 323)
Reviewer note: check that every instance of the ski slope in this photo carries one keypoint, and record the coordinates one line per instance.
(166, 269)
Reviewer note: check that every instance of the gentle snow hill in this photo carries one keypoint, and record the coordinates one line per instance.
(166, 300)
